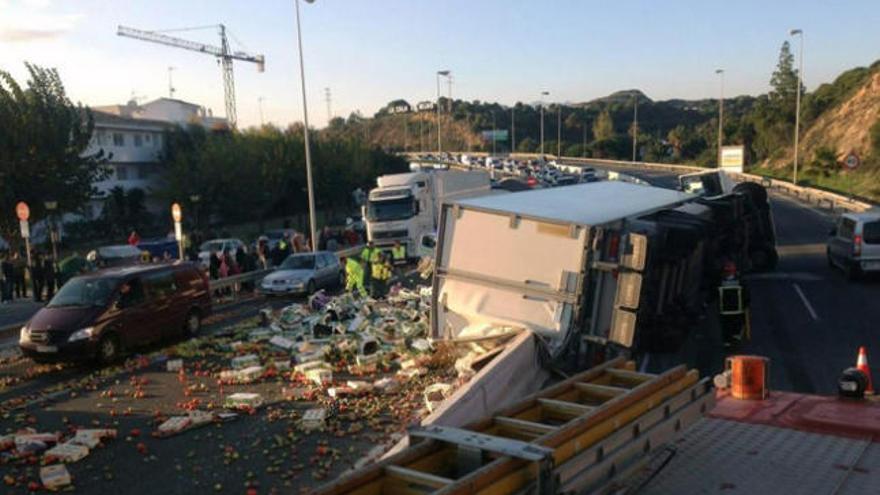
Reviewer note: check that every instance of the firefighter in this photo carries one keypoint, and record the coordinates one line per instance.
(354, 276)
(381, 274)
(398, 257)
(733, 305)
(367, 254)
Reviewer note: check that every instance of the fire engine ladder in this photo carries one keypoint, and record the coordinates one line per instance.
(585, 434)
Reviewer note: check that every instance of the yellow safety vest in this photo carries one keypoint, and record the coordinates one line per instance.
(381, 271)
(375, 255)
(367, 254)
(398, 253)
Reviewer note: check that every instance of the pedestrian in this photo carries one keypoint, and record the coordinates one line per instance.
(223, 268)
(733, 300)
(354, 276)
(381, 269)
(37, 277)
(241, 256)
(49, 276)
(134, 239)
(19, 267)
(6, 278)
(323, 237)
(214, 265)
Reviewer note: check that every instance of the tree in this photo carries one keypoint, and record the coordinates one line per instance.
(527, 145)
(603, 127)
(44, 148)
(784, 81)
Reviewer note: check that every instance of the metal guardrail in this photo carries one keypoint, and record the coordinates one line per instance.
(821, 198)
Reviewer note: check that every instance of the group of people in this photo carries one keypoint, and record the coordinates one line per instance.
(373, 268)
(224, 264)
(14, 271)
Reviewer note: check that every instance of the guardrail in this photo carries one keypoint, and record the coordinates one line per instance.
(824, 199)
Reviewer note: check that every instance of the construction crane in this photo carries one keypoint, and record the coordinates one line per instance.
(223, 53)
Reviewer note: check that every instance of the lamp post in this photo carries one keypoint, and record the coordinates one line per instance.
(443, 73)
(720, 73)
(635, 125)
(543, 94)
(797, 113)
(302, 75)
(558, 131)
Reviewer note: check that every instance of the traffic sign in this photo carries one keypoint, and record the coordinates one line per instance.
(852, 161)
(22, 210)
(176, 212)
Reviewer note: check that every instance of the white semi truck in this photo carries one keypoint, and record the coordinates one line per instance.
(406, 207)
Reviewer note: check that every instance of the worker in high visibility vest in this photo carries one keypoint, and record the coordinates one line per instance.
(367, 254)
(398, 254)
(733, 300)
(354, 277)
(381, 274)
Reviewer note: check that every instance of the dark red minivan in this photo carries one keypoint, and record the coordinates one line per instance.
(102, 314)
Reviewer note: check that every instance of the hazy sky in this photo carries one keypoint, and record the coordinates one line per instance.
(371, 51)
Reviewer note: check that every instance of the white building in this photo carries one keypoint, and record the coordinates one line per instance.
(134, 147)
(168, 110)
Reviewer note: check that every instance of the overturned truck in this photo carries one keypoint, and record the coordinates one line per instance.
(595, 269)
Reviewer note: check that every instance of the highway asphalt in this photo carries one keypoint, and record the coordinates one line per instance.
(805, 316)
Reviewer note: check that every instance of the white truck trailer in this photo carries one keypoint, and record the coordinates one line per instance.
(405, 207)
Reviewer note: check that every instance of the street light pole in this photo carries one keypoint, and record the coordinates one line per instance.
(302, 75)
(543, 94)
(720, 72)
(558, 131)
(439, 73)
(635, 126)
(797, 113)
(513, 128)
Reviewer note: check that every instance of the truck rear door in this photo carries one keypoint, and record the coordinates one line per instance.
(527, 276)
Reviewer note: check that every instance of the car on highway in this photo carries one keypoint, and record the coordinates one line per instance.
(304, 273)
(105, 313)
(854, 244)
(218, 246)
(588, 174)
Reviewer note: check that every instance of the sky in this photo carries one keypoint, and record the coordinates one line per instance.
(369, 52)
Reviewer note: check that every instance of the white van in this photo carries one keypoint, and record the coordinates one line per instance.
(854, 243)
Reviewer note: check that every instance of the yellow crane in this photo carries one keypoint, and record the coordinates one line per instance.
(224, 55)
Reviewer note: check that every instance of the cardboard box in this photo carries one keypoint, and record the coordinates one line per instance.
(174, 365)
(279, 341)
(67, 452)
(245, 361)
(313, 419)
(55, 476)
(174, 425)
(91, 438)
(320, 376)
(243, 400)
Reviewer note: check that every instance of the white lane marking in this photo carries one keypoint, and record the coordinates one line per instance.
(809, 306)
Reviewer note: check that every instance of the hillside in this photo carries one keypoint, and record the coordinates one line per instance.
(846, 127)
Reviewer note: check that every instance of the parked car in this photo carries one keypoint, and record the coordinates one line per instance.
(218, 245)
(117, 255)
(854, 244)
(304, 273)
(102, 314)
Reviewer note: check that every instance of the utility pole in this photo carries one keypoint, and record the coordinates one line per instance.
(327, 99)
(797, 113)
(513, 128)
(635, 125)
(302, 74)
(720, 73)
(170, 84)
(449, 88)
(260, 103)
(543, 94)
(493, 134)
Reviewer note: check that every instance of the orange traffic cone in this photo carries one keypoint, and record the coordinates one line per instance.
(862, 365)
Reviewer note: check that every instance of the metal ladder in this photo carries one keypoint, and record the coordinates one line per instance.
(584, 434)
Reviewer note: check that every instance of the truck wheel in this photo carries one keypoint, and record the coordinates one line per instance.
(193, 324)
(108, 349)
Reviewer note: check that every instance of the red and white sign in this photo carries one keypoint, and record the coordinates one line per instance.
(22, 210)
(176, 212)
(851, 161)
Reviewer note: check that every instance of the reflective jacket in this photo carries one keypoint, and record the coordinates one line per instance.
(398, 253)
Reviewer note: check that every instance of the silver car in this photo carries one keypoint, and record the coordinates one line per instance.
(304, 273)
(854, 243)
